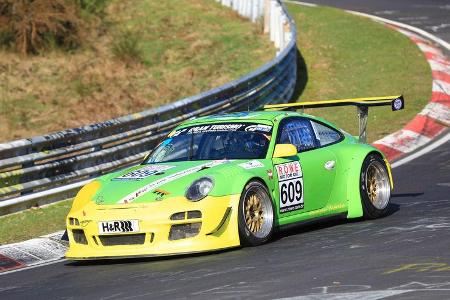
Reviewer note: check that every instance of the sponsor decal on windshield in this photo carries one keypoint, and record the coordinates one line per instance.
(144, 172)
(259, 127)
(151, 186)
(225, 127)
(215, 127)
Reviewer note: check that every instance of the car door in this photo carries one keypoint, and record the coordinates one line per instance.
(305, 181)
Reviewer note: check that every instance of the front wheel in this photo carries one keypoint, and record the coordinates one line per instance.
(256, 215)
(375, 187)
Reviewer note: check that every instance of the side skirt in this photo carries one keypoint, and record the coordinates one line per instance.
(324, 219)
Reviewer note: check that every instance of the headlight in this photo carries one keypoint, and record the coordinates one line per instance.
(199, 189)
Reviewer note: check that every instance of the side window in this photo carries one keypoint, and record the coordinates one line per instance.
(325, 134)
(298, 132)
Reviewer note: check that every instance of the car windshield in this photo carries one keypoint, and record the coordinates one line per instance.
(214, 141)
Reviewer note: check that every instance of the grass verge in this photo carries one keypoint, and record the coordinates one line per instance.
(347, 56)
(144, 54)
(33, 222)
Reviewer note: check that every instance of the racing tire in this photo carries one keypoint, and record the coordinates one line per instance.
(375, 187)
(256, 215)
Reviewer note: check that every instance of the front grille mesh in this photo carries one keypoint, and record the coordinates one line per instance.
(79, 237)
(123, 239)
(182, 231)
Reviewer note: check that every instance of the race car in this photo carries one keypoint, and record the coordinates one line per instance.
(230, 180)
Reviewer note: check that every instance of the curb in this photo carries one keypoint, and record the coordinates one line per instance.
(434, 119)
(34, 252)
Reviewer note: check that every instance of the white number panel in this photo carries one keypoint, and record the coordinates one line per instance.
(290, 184)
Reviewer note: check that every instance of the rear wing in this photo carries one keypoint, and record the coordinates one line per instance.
(362, 107)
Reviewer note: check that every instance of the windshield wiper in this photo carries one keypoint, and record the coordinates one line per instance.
(191, 147)
(204, 167)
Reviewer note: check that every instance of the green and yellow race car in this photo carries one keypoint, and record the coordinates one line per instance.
(223, 181)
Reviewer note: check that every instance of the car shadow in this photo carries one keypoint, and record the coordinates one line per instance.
(173, 259)
(407, 195)
(392, 209)
(301, 228)
(328, 223)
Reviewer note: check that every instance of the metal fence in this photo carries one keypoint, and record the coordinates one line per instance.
(52, 167)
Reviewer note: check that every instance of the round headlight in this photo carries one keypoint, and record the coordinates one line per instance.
(199, 189)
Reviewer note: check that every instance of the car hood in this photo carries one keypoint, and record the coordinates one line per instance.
(157, 182)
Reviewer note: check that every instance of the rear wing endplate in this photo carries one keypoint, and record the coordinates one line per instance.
(362, 107)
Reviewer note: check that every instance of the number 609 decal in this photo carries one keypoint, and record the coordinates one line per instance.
(290, 191)
(290, 182)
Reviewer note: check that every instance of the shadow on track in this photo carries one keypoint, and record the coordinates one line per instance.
(302, 78)
(173, 259)
(407, 195)
(316, 225)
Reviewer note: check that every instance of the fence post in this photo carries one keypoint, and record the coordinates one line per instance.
(235, 5)
(276, 27)
(283, 21)
(272, 21)
(287, 32)
(241, 7)
(267, 16)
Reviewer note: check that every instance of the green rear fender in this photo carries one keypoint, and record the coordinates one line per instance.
(354, 204)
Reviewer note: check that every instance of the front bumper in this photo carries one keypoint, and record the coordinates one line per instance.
(218, 229)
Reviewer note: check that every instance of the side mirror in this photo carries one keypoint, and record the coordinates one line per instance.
(284, 150)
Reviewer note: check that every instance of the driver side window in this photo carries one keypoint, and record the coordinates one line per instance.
(299, 132)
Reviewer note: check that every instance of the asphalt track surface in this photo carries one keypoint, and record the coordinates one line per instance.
(432, 16)
(402, 256)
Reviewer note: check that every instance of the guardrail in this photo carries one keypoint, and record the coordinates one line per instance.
(52, 167)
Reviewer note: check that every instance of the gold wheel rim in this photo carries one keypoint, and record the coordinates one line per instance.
(254, 214)
(372, 184)
(377, 185)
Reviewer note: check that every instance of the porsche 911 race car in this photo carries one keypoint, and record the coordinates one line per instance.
(223, 181)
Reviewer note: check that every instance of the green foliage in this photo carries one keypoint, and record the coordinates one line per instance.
(35, 24)
(85, 88)
(128, 48)
(6, 38)
(96, 7)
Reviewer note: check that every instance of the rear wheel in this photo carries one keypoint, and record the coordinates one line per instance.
(256, 215)
(375, 187)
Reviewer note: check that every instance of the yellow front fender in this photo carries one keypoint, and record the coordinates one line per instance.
(219, 228)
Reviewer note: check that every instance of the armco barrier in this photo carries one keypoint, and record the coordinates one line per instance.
(54, 166)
